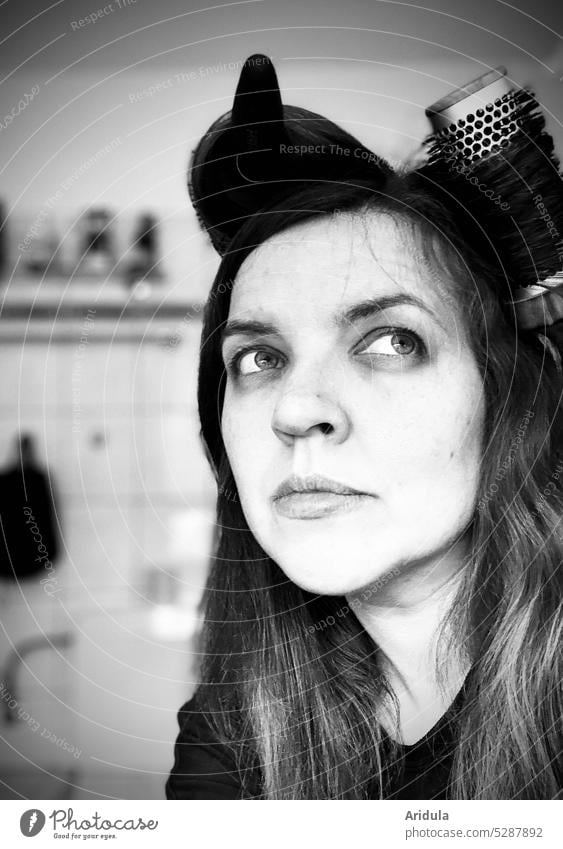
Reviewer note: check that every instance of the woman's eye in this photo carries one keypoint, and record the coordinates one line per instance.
(390, 343)
(395, 343)
(254, 361)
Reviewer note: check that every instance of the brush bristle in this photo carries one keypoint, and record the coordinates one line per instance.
(507, 190)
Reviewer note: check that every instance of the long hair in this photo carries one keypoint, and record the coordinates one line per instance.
(292, 681)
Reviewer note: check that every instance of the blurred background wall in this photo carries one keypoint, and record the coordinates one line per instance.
(101, 106)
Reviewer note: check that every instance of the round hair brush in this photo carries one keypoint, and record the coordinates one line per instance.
(490, 152)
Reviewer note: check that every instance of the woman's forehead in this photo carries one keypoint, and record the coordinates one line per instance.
(334, 238)
(336, 260)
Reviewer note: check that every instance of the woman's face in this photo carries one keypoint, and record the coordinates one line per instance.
(347, 359)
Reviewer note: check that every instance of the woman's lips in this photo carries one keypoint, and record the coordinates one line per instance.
(315, 505)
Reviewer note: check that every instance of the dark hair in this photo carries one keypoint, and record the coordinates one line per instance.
(300, 700)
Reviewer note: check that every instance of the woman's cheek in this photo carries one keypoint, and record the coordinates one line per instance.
(430, 441)
(243, 427)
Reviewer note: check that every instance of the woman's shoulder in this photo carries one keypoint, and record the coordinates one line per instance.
(204, 766)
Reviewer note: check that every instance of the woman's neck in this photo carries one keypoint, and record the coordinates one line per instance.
(403, 619)
(403, 616)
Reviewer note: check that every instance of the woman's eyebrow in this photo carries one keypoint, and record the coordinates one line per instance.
(247, 328)
(371, 306)
(363, 309)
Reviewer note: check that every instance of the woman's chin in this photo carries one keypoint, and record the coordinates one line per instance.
(321, 582)
(326, 571)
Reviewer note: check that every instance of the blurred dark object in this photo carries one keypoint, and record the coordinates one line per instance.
(29, 542)
(144, 255)
(97, 254)
(42, 256)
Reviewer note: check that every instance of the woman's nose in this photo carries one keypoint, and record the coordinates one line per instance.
(302, 412)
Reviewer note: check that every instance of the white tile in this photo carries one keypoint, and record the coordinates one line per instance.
(95, 376)
(29, 376)
(170, 457)
(172, 533)
(165, 376)
(97, 459)
(99, 545)
(129, 689)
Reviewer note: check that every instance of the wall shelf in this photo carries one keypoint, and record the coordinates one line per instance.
(46, 309)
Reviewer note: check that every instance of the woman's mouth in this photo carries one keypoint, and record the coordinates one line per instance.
(316, 505)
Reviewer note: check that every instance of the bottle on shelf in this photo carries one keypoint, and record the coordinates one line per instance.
(97, 253)
(141, 261)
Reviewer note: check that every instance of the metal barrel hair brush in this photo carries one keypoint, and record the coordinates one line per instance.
(490, 151)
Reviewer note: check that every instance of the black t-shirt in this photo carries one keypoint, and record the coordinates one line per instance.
(204, 768)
